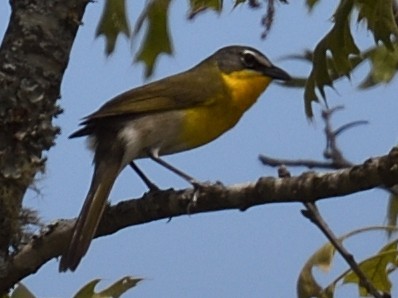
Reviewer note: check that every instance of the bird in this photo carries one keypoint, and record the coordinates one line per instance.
(174, 114)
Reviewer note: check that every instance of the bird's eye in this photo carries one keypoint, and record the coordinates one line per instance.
(249, 59)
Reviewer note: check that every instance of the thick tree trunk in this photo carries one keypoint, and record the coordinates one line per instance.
(33, 57)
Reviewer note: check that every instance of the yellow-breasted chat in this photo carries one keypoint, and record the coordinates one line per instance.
(174, 114)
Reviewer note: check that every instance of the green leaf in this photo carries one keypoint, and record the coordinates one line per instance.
(341, 46)
(238, 2)
(120, 287)
(376, 269)
(113, 291)
(311, 4)
(379, 17)
(87, 290)
(306, 285)
(113, 22)
(197, 6)
(384, 65)
(328, 292)
(156, 40)
(22, 292)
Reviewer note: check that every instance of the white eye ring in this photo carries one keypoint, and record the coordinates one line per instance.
(249, 58)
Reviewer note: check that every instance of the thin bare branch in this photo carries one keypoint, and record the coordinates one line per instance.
(312, 213)
(332, 151)
(350, 125)
(309, 163)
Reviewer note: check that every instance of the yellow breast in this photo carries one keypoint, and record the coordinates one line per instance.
(203, 124)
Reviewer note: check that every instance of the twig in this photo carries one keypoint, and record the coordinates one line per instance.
(312, 213)
(337, 161)
(332, 153)
(314, 216)
(275, 162)
(350, 125)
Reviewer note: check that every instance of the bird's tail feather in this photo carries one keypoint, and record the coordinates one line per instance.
(90, 216)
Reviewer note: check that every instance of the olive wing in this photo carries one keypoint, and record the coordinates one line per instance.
(181, 91)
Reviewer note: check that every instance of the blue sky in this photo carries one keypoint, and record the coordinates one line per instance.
(256, 253)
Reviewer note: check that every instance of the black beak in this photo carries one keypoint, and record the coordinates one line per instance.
(277, 73)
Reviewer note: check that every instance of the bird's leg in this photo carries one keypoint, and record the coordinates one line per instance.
(155, 157)
(152, 186)
(197, 185)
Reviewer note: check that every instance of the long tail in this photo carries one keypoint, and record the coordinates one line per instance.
(105, 174)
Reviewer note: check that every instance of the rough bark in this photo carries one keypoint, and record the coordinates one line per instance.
(33, 57)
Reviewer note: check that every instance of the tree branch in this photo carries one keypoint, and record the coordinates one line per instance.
(336, 160)
(312, 213)
(308, 187)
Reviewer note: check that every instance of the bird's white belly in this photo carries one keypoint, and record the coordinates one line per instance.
(156, 132)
